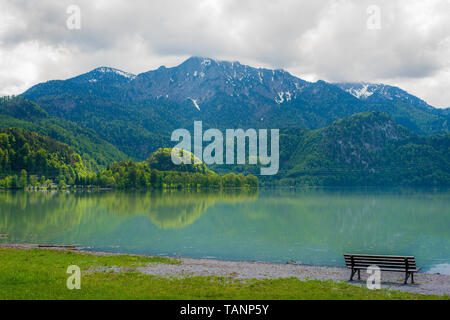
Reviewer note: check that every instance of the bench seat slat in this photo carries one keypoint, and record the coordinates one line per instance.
(380, 257)
(380, 261)
(377, 256)
(388, 269)
(394, 263)
(381, 264)
(359, 265)
(372, 259)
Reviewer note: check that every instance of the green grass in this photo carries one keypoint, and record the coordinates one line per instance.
(41, 274)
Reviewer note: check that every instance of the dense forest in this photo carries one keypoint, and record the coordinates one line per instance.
(28, 159)
(366, 149)
(22, 113)
(129, 174)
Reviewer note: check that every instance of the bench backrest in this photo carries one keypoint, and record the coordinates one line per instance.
(383, 262)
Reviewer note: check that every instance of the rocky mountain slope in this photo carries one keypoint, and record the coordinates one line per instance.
(137, 113)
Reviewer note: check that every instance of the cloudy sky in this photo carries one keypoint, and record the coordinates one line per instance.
(404, 43)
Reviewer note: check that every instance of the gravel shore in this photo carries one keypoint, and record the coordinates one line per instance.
(426, 283)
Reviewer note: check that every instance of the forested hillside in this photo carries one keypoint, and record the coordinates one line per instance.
(20, 112)
(30, 158)
(137, 113)
(366, 149)
(330, 134)
(129, 174)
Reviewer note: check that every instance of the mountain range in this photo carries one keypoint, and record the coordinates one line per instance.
(223, 95)
(130, 116)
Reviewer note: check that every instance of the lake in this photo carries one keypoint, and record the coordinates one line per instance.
(313, 226)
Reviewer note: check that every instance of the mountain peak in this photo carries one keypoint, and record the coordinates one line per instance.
(203, 79)
(206, 87)
(109, 70)
(199, 59)
(206, 61)
(102, 74)
(197, 62)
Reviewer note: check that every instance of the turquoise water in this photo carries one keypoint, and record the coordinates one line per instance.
(310, 226)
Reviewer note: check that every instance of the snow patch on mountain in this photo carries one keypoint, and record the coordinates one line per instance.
(283, 97)
(360, 93)
(195, 103)
(116, 71)
(380, 92)
(206, 62)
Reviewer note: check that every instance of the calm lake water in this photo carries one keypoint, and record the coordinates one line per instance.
(310, 226)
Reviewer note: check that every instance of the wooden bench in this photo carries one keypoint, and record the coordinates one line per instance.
(406, 264)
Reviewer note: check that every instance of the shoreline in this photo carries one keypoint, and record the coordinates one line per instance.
(426, 283)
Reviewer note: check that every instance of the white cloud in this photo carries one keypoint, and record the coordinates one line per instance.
(324, 39)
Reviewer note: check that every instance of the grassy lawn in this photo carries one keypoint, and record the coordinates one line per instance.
(41, 274)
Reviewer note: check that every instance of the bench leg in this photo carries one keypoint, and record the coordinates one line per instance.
(359, 274)
(412, 277)
(406, 277)
(353, 273)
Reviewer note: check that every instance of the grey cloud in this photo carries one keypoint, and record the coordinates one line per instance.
(326, 38)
